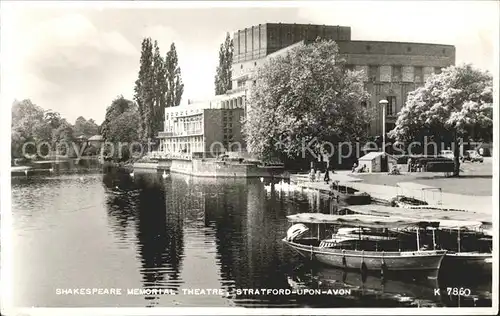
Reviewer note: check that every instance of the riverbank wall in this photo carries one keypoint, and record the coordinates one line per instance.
(214, 168)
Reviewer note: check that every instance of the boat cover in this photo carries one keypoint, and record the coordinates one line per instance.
(296, 231)
(360, 220)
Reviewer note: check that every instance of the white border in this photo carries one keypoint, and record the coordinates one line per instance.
(5, 193)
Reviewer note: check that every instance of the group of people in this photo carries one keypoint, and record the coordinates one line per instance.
(359, 169)
(315, 176)
(414, 165)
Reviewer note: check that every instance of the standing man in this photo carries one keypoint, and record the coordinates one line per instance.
(409, 164)
(327, 176)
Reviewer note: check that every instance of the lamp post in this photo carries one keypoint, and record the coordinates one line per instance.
(383, 103)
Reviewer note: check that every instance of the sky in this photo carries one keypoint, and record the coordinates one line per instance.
(76, 58)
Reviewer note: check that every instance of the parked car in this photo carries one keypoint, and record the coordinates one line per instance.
(447, 154)
(473, 156)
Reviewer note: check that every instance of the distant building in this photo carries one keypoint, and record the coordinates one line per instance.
(96, 140)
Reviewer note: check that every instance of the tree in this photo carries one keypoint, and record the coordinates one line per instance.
(160, 89)
(28, 124)
(118, 106)
(85, 128)
(63, 138)
(173, 76)
(121, 125)
(223, 72)
(448, 107)
(144, 91)
(305, 97)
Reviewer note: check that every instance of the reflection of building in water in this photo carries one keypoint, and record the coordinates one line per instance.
(247, 234)
(158, 231)
(159, 234)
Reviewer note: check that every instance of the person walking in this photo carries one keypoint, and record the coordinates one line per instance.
(327, 176)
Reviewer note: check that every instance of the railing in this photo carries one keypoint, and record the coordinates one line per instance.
(183, 133)
(164, 134)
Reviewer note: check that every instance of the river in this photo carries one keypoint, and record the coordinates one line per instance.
(112, 230)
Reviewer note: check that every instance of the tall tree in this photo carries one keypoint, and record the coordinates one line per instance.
(160, 89)
(144, 91)
(223, 72)
(448, 107)
(173, 76)
(305, 97)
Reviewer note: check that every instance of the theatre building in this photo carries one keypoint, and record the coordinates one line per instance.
(391, 69)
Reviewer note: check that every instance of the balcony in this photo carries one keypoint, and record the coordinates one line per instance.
(164, 134)
(236, 90)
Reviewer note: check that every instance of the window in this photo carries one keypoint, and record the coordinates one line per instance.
(241, 67)
(373, 73)
(391, 106)
(408, 49)
(396, 73)
(368, 47)
(419, 74)
(437, 70)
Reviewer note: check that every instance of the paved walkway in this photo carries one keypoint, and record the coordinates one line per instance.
(452, 201)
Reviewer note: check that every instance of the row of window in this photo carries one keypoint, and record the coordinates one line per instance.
(183, 113)
(396, 73)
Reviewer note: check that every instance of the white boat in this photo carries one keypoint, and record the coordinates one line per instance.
(367, 253)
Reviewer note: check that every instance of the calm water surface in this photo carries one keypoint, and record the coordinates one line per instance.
(114, 231)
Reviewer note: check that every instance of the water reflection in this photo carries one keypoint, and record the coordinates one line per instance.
(191, 232)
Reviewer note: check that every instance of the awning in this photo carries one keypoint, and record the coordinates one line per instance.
(360, 220)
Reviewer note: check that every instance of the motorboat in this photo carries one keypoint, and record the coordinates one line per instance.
(364, 253)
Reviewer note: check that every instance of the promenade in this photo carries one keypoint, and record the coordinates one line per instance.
(383, 187)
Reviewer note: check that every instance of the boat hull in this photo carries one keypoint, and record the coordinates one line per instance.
(353, 199)
(477, 262)
(372, 260)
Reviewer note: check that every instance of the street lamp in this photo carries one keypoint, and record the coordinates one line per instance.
(383, 103)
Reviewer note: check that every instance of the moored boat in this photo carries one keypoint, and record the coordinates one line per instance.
(364, 253)
(349, 195)
(472, 251)
(406, 202)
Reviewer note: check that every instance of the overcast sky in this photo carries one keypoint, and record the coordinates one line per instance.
(77, 60)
